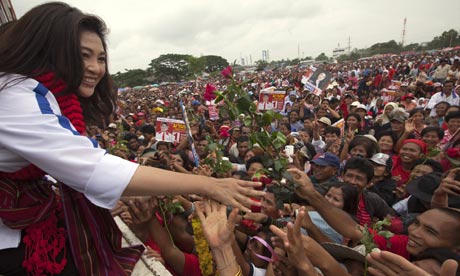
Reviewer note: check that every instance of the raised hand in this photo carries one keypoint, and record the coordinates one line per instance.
(384, 263)
(293, 245)
(217, 229)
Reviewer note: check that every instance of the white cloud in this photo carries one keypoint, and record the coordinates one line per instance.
(141, 30)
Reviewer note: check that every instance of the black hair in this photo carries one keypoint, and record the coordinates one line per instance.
(187, 164)
(332, 130)
(362, 165)
(443, 102)
(243, 175)
(288, 126)
(358, 118)
(242, 139)
(254, 159)
(415, 111)
(439, 131)
(308, 116)
(370, 146)
(47, 39)
(334, 100)
(162, 143)
(309, 131)
(350, 196)
(130, 136)
(435, 165)
(390, 133)
(452, 115)
(149, 129)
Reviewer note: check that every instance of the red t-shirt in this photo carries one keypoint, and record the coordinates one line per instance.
(191, 263)
(398, 170)
(396, 244)
(364, 218)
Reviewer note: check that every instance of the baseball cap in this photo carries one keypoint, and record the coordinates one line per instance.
(327, 159)
(361, 106)
(356, 103)
(325, 120)
(399, 117)
(112, 125)
(380, 158)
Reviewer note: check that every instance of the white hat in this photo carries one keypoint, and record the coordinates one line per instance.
(356, 103)
(325, 120)
(361, 106)
(112, 125)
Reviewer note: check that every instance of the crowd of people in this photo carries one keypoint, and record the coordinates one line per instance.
(370, 158)
(378, 148)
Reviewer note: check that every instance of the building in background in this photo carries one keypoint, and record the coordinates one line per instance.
(6, 11)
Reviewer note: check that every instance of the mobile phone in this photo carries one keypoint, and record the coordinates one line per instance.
(289, 150)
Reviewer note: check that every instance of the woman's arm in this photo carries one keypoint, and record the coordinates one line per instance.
(229, 191)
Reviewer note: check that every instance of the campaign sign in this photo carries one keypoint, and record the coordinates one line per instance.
(315, 90)
(270, 99)
(388, 95)
(320, 78)
(170, 130)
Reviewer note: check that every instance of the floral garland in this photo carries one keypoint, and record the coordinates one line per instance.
(202, 249)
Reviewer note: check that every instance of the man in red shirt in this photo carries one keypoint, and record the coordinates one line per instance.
(435, 228)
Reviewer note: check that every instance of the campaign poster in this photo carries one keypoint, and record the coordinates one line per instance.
(170, 130)
(395, 85)
(340, 124)
(320, 78)
(213, 112)
(313, 89)
(388, 95)
(270, 99)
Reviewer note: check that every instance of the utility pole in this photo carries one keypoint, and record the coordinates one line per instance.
(349, 45)
(404, 32)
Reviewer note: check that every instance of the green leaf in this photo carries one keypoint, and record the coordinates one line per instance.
(386, 234)
(267, 119)
(248, 121)
(267, 161)
(278, 140)
(278, 164)
(244, 103)
(219, 97)
(263, 139)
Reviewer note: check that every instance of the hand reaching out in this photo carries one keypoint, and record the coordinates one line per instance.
(384, 263)
(293, 244)
(217, 229)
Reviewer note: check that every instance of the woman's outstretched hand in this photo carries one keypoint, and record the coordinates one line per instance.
(236, 193)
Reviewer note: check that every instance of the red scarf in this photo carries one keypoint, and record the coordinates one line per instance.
(36, 211)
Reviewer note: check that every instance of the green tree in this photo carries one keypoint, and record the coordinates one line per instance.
(214, 63)
(385, 48)
(322, 57)
(446, 39)
(261, 64)
(172, 67)
(131, 78)
(196, 65)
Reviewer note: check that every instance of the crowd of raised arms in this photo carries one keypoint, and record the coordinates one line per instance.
(375, 164)
(393, 160)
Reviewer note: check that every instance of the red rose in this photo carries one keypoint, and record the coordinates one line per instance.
(209, 92)
(227, 72)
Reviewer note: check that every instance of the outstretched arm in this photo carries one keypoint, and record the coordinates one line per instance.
(229, 191)
(335, 217)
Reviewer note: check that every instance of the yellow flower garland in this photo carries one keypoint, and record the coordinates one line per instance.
(202, 248)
